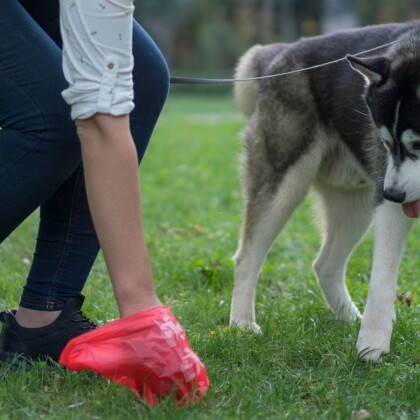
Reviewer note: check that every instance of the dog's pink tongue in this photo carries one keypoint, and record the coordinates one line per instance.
(412, 209)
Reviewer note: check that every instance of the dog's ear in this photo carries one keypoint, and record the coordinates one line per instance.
(373, 69)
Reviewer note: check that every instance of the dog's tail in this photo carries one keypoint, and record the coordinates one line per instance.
(245, 93)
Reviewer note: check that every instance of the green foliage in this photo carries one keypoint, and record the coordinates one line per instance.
(304, 365)
(206, 37)
(384, 11)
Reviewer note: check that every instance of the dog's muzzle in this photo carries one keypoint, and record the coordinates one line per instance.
(394, 195)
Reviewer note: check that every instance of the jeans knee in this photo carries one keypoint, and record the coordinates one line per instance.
(150, 74)
(162, 88)
(151, 87)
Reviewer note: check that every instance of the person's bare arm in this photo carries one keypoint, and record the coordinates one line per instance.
(112, 185)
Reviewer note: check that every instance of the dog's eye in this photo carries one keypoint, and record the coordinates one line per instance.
(416, 145)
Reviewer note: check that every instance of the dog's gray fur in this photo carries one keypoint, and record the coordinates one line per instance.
(327, 128)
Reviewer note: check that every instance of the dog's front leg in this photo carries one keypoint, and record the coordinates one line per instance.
(242, 314)
(391, 230)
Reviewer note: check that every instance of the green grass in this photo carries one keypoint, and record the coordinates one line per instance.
(303, 366)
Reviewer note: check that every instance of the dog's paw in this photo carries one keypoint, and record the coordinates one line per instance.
(372, 344)
(349, 313)
(246, 325)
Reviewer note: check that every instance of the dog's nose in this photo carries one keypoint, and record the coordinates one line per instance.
(394, 195)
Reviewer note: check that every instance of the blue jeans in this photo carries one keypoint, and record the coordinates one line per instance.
(40, 160)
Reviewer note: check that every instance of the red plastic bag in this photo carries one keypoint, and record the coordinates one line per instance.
(147, 351)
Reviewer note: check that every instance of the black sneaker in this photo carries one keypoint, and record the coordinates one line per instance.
(20, 345)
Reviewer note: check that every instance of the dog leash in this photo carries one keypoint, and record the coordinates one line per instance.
(204, 81)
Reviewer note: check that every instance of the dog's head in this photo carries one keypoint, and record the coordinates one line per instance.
(392, 95)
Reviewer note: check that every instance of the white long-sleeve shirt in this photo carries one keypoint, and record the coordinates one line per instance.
(97, 56)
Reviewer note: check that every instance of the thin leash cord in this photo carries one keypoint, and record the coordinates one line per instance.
(202, 81)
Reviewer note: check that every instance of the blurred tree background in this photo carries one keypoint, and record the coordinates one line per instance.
(206, 37)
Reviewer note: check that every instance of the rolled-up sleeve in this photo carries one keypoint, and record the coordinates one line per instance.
(97, 56)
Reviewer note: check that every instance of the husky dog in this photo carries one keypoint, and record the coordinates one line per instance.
(350, 130)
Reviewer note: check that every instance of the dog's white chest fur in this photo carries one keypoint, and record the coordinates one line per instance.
(340, 169)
